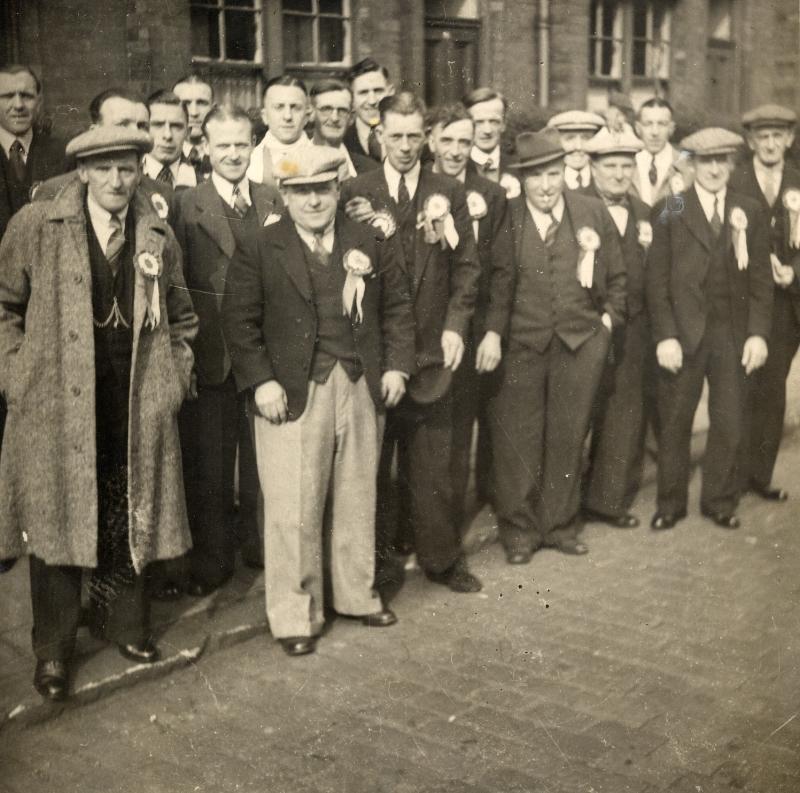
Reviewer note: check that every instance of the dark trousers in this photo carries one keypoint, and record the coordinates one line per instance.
(422, 435)
(766, 403)
(617, 448)
(539, 422)
(471, 392)
(718, 358)
(212, 426)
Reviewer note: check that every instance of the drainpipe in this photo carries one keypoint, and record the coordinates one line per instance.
(543, 48)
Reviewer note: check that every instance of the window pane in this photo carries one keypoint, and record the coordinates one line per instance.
(640, 21)
(609, 17)
(331, 40)
(298, 39)
(639, 64)
(331, 7)
(458, 9)
(297, 5)
(240, 36)
(240, 3)
(205, 33)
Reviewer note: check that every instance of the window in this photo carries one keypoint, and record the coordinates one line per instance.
(605, 39)
(650, 57)
(226, 30)
(316, 32)
(720, 16)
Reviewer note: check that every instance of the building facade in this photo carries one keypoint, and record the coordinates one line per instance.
(711, 58)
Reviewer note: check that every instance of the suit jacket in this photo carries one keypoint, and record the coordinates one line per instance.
(362, 162)
(270, 319)
(208, 244)
(608, 290)
(666, 187)
(353, 144)
(678, 264)
(496, 256)
(444, 282)
(45, 159)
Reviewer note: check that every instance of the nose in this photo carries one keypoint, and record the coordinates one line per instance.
(191, 107)
(167, 132)
(114, 178)
(17, 102)
(313, 198)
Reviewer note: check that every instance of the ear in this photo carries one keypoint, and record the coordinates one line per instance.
(390, 89)
(671, 129)
(379, 132)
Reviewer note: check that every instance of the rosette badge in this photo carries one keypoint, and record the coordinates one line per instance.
(738, 221)
(438, 222)
(645, 233)
(150, 267)
(511, 185)
(476, 204)
(589, 241)
(358, 266)
(160, 205)
(384, 222)
(791, 200)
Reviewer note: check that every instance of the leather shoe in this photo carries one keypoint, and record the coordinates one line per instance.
(50, 680)
(200, 589)
(144, 652)
(626, 521)
(298, 645)
(770, 493)
(457, 578)
(379, 619)
(167, 592)
(726, 520)
(665, 520)
(518, 555)
(7, 564)
(571, 546)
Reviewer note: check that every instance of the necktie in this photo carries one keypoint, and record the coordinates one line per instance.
(374, 147)
(115, 242)
(403, 197)
(716, 221)
(770, 193)
(194, 156)
(17, 161)
(319, 250)
(652, 174)
(165, 175)
(579, 180)
(239, 202)
(552, 230)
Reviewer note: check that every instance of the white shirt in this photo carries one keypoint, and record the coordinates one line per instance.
(276, 150)
(101, 221)
(393, 179)
(571, 177)
(619, 214)
(480, 157)
(224, 189)
(708, 199)
(768, 177)
(644, 160)
(183, 174)
(310, 238)
(543, 220)
(7, 140)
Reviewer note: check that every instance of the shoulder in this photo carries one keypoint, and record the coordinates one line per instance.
(439, 182)
(585, 203)
(362, 163)
(486, 187)
(640, 210)
(746, 202)
(50, 188)
(266, 191)
(791, 176)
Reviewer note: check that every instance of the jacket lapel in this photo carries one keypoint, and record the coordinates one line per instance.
(211, 218)
(695, 219)
(289, 251)
(151, 236)
(518, 209)
(423, 251)
(262, 201)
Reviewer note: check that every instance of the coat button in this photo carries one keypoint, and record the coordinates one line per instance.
(77, 278)
(76, 391)
(73, 335)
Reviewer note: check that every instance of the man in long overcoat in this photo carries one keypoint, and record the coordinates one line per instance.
(95, 325)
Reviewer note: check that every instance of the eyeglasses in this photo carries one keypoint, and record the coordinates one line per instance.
(327, 110)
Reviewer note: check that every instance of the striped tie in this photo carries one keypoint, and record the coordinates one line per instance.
(165, 175)
(552, 230)
(240, 202)
(115, 242)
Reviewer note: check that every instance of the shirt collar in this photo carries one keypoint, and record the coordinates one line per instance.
(542, 219)
(224, 188)
(765, 172)
(7, 139)
(309, 237)
(393, 179)
(152, 167)
(101, 220)
(707, 200)
(480, 157)
(571, 176)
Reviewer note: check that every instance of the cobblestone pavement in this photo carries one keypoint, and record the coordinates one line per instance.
(660, 662)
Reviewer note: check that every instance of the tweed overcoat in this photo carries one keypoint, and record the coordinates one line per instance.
(48, 481)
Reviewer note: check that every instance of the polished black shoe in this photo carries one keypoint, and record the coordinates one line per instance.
(7, 564)
(518, 555)
(200, 589)
(726, 520)
(457, 578)
(144, 652)
(665, 520)
(50, 680)
(298, 645)
(379, 619)
(167, 592)
(571, 546)
(626, 521)
(770, 493)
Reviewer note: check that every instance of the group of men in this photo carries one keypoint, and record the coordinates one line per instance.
(329, 315)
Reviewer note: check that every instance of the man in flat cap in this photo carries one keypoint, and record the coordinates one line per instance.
(709, 292)
(95, 325)
(767, 178)
(318, 322)
(575, 129)
(570, 294)
(618, 433)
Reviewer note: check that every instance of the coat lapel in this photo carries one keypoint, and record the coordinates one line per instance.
(263, 201)
(518, 209)
(423, 251)
(212, 219)
(695, 219)
(289, 251)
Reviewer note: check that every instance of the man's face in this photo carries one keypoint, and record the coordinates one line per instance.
(770, 144)
(331, 116)
(544, 185)
(119, 112)
(574, 142)
(451, 146)
(402, 137)
(111, 178)
(19, 102)
(230, 144)
(312, 206)
(712, 171)
(490, 123)
(612, 174)
(168, 129)
(197, 99)
(655, 127)
(368, 89)
(285, 112)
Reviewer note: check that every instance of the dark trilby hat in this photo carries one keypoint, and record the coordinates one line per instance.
(537, 148)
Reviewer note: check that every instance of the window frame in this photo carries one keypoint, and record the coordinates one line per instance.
(315, 15)
(221, 6)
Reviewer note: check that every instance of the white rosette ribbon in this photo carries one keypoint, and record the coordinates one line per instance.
(160, 205)
(589, 241)
(384, 222)
(677, 184)
(357, 265)
(476, 204)
(150, 267)
(791, 200)
(738, 221)
(437, 220)
(511, 185)
(645, 233)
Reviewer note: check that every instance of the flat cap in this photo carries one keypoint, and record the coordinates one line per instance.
(606, 142)
(575, 121)
(769, 116)
(712, 140)
(537, 148)
(311, 165)
(104, 140)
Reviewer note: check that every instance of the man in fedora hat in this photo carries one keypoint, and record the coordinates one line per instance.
(709, 293)
(95, 325)
(318, 322)
(767, 178)
(570, 294)
(575, 129)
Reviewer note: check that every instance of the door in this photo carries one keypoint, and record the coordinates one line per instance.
(451, 59)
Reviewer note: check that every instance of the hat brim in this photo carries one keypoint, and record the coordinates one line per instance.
(577, 128)
(770, 122)
(534, 162)
(111, 149)
(320, 178)
(718, 151)
(622, 152)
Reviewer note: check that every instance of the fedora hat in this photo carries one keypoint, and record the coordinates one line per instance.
(537, 148)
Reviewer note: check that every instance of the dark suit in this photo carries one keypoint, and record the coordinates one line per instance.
(550, 372)
(444, 287)
(471, 391)
(766, 402)
(618, 432)
(697, 295)
(216, 422)
(362, 162)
